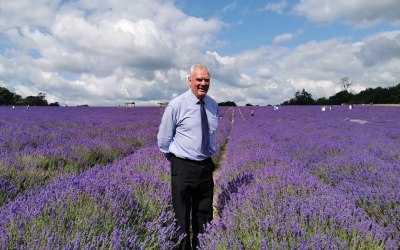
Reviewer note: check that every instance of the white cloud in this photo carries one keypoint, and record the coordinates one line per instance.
(286, 37)
(264, 72)
(277, 7)
(361, 13)
(231, 6)
(380, 48)
(33, 13)
(277, 72)
(283, 38)
(116, 51)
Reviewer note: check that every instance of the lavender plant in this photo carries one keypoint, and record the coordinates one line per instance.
(111, 207)
(40, 143)
(296, 178)
(120, 202)
(313, 173)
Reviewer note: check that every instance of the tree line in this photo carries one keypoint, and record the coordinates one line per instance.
(389, 95)
(9, 98)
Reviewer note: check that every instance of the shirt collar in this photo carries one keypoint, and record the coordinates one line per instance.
(193, 98)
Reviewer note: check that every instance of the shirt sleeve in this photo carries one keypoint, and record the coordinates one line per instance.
(166, 130)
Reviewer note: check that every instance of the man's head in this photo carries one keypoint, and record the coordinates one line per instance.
(199, 80)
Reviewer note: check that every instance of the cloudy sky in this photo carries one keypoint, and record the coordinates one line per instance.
(261, 52)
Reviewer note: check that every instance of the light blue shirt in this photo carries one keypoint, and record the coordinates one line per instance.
(180, 128)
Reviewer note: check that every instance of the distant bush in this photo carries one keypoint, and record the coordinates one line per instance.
(228, 103)
(9, 98)
(389, 95)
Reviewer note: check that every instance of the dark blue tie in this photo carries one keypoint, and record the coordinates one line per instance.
(205, 133)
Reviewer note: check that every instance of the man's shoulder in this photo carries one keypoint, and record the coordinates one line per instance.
(176, 101)
(211, 101)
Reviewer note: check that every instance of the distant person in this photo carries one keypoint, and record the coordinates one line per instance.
(276, 108)
(252, 112)
(323, 108)
(187, 138)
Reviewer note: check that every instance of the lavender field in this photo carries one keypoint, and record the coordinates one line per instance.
(297, 178)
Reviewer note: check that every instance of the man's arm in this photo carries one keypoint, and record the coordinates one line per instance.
(166, 131)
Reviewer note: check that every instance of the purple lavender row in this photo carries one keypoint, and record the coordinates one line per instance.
(358, 154)
(275, 202)
(223, 132)
(125, 205)
(288, 209)
(39, 143)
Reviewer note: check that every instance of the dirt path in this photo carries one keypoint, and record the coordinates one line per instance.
(223, 156)
(240, 111)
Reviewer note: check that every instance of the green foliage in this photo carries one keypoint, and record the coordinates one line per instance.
(249, 233)
(254, 165)
(322, 101)
(379, 95)
(378, 211)
(73, 219)
(39, 169)
(39, 100)
(301, 98)
(91, 157)
(54, 104)
(390, 95)
(341, 97)
(6, 97)
(9, 98)
(228, 103)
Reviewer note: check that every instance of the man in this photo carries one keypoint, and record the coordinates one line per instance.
(187, 138)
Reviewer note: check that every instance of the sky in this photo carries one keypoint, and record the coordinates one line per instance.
(109, 52)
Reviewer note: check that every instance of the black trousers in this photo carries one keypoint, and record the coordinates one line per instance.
(192, 193)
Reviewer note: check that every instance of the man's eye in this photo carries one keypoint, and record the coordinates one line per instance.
(202, 79)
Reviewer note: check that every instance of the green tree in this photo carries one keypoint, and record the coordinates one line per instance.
(365, 96)
(228, 103)
(6, 96)
(39, 100)
(394, 94)
(380, 95)
(322, 101)
(301, 98)
(18, 100)
(54, 104)
(341, 97)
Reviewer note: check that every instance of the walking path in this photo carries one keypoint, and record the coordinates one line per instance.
(223, 155)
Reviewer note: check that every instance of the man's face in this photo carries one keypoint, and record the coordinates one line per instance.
(199, 82)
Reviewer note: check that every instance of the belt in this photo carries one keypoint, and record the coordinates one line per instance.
(190, 160)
